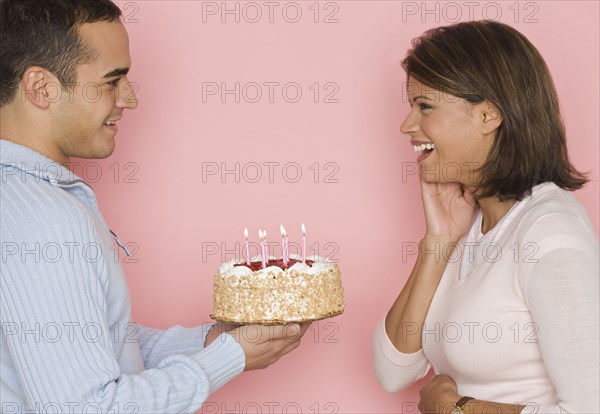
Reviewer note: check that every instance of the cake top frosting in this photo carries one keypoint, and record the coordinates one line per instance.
(313, 265)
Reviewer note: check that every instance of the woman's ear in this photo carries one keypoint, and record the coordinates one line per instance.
(491, 118)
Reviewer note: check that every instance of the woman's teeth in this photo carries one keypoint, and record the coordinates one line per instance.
(109, 123)
(422, 147)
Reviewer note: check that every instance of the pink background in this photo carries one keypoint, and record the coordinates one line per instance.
(363, 208)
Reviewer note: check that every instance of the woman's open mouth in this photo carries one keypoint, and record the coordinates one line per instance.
(425, 149)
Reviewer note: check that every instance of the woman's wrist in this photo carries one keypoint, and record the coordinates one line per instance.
(460, 402)
(440, 246)
(437, 239)
(440, 237)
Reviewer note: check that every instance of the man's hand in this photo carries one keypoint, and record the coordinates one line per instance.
(262, 344)
(216, 330)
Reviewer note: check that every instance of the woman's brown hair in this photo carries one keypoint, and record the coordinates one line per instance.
(488, 60)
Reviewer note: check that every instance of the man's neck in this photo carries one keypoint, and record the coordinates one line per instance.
(15, 128)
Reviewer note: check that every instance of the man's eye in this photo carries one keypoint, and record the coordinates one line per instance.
(114, 83)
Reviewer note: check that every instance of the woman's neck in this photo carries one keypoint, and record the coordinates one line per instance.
(493, 210)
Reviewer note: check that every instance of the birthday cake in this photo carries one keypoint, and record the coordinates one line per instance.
(278, 292)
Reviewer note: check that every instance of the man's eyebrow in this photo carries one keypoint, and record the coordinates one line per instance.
(116, 72)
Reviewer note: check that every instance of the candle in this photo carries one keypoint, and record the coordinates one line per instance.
(265, 249)
(247, 248)
(284, 246)
(287, 249)
(262, 245)
(303, 243)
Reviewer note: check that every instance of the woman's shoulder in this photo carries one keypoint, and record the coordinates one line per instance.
(548, 201)
(555, 215)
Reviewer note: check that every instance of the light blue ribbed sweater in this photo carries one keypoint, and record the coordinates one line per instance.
(67, 340)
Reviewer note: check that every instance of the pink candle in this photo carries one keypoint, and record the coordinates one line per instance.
(266, 248)
(284, 253)
(262, 236)
(287, 250)
(303, 243)
(247, 248)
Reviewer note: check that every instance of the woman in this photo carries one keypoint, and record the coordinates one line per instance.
(503, 299)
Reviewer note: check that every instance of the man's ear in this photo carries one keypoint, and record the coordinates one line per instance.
(491, 118)
(40, 87)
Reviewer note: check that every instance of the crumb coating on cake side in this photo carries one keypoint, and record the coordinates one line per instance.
(272, 296)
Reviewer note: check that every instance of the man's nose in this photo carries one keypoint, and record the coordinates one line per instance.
(127, 97)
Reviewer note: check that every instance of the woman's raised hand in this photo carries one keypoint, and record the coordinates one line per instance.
(449, 210)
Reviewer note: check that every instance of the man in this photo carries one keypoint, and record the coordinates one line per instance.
(68, 342)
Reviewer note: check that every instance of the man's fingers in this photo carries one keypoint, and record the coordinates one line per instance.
(268, 333)
(263, 345)
(281, 348)
(304, 327)
(289, 333)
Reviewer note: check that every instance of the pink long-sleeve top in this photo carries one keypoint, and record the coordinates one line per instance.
(515, 316)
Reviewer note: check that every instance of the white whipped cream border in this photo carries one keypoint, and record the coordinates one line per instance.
(228, 269)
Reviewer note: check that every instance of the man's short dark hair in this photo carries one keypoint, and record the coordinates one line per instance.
(45, 33)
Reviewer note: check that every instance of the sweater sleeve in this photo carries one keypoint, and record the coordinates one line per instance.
(561, 290)
(157, 344)
(55, 327)
(396, 370)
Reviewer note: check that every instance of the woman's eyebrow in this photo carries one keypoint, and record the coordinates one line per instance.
(414, 98)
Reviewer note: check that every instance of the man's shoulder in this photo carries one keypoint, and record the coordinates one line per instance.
(30, 204)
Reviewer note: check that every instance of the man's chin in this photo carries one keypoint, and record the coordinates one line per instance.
(101, 151)
(105, 154)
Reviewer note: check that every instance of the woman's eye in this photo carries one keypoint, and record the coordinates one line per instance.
(424, 106)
